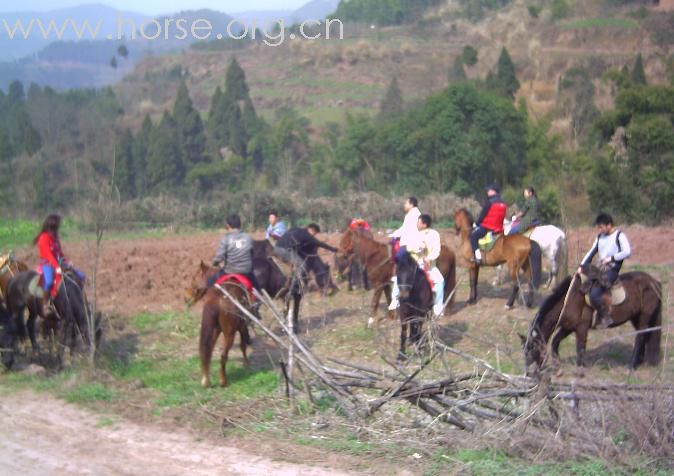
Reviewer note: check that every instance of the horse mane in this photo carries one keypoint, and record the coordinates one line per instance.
(557, 294)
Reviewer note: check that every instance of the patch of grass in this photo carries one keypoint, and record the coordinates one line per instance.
(600, 23)
(168, 321)
(88, 392)
(105, 422)
(350, 444)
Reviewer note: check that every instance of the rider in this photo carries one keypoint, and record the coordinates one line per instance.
(528, 216)
(613, 248)
(276, 227)
(402, 237)
(297, 245)
(236, 253)
(490, 219)
(425, 249)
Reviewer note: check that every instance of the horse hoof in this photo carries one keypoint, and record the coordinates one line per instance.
(205, 383)
(370, 323)
(472, 301)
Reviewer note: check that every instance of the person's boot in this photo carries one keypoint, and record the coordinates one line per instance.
(256, 309)
(438, 295)
(478, 257)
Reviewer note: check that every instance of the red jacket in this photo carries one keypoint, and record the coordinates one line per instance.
(49, 248)
(494, 219)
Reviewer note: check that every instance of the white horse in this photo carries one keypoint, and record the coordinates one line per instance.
(552, 241)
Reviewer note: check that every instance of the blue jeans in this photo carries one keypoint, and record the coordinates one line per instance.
(475, 236)
(48, 272)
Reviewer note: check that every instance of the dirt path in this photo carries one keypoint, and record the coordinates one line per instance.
(42, 435)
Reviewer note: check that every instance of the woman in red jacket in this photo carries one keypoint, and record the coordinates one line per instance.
(52, 259)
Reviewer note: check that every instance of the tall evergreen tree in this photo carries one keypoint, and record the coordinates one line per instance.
(235, 82)
(125, 170)
(505, 80)
(141, 147)
(190, 128)
(392, 104)
(456, 72)
(638, 73)
(165, 168)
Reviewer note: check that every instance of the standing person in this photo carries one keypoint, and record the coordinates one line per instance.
(528, 216)
(276, 228)
(235, 252)
(52, 259)
(613, 248)
(406, 234)
(490, 219)
(426, 250)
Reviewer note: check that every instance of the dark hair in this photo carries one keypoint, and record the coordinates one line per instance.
(426, 219)
(314, 226)
(413, 200)
(604, 219)
(50, 225)
(531, 191)
(274, 212)
(234, 221)
(493, 187)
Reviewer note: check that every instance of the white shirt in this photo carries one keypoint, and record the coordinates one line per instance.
(408, 231)
(607, 247)
(425, 245)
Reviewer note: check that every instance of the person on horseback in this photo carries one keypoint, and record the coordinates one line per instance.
(527, 217)
(402, 237)
(490, 219)
(52, 260)
(235, 252)
(613, 248)
(276, 228)
(425, 249)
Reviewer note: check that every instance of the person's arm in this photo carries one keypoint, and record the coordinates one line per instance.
(45, 250)
(326, 246)
(483, 213)
(590, 254)
(625, 249)
(279, 230)
(267, 234)
(433, 245)
(221, 253)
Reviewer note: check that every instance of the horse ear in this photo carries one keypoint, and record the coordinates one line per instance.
(203, 266)
(522, 338)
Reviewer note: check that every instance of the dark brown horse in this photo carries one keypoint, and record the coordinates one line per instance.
(517, 251)
(379, 266)
(565, 311)
(219, 314)
(9, 267)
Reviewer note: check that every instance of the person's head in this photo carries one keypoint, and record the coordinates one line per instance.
(314, 229)
(529, 192)
(424, 221)
(233, 221)
(492, 190)
(51, 225)
(604, 222)
(273, 217)
(410, 203)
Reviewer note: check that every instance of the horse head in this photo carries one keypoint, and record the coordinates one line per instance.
(534, 350)
(463, 220)
(199, 284)
(406, 271)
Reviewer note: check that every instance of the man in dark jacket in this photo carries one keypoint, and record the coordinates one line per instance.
(490, 219)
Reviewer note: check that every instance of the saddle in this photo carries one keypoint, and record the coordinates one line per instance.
(489, 240)
(241, 280)
(618, 294)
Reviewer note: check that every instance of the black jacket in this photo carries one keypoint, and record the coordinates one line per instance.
(302, 242)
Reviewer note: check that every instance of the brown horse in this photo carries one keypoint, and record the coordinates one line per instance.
(517, 251)
(566, 311)
(379, 266)
(219, 314)
(350, 267)
(9, 267)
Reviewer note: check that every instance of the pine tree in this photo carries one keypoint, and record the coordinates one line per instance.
(456, 72)
(6, 149)
(141, 147)
(505, 80)
(235, 82)
(164, 165)
(392, 104)
(125, 173)
(638, 74)
(190, 128)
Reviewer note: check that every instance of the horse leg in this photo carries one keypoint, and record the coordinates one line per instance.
(403, 338)
(473, 272)
(207, 339)
(32, 317)
(245, 342)
(513, 295)
(557, 339)
(639, 351)
(229, 342)
(581, 344)
(376, 296)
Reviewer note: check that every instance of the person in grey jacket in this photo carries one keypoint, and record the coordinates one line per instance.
(235, 252)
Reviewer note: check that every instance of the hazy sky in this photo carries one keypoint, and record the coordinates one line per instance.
(153, 7)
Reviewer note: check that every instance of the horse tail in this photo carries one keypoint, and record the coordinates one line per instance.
(535, 255)
(245, 335)
(654, 337)
(562, 258)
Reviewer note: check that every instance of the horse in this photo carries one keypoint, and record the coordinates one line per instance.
(218, 315)
(379, 265)
(566, 311)
(552, 241)
(416, 299)
(9, 267)
(349, 266)
(517, 251)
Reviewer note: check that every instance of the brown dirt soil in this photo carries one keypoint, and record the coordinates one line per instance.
(149, 275)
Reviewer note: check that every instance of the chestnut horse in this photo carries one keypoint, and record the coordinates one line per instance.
(219, 314)
(9, 267)
(517, 251)
(565, 311)
(379, 266)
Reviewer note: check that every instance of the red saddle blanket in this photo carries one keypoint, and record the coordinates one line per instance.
(240, 279)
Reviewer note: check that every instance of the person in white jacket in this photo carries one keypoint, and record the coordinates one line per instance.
(426, 250)
(407, 233)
